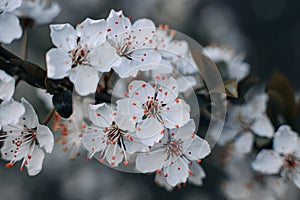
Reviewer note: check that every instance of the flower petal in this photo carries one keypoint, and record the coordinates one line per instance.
(198, 149)
(15, 109)
(102, 58)
(197, 174)
(63, 36)
(185, 133)
(140, 91)
(149, 162)
(296, 178)
(101, 115)
(7, 86)
(9, 6)
(11, 28)
(263, 127)
(167, 90)
(161, 180)
(175, 114)
(30, 118)
(150, 131)
(117, 24)
(35, 164)
(58, 63)
(92, 33)
(177, 171)
(85, 80)
(244, 143)
(45, 138)
(267, 162)
(285, 140)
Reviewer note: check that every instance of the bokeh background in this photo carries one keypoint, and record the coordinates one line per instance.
(266, 31)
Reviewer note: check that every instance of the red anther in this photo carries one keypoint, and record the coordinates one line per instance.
(136, 93)
(88, 158)
(176, 126)
(190, 172)
(116, 22)
(21, 168)
(177, 100)
(172, 134)
(166, 175)
(83, 126)
(193, 135)
(162, 132)
(134, 117)
(102, 160)
(144, 85)
(29, 157)
(108, 30)
(113, 157)
(158, 171)
(199, 161)
(126, 163)
(98, 114)
(112, 164)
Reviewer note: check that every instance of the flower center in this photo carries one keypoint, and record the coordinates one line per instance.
(152, 109)
(79, 56)
(174, 148)
(290, 162)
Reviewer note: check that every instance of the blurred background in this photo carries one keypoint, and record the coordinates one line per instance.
(266, 31)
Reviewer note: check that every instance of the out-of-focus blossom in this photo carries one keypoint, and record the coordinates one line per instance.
(246, 120)
(173, 157)
(9, 23)
(111, 134)
(243, 183)
(27, 141)
(284, 158)
(80, 54)
(133, 43)
(40, 11)
(45, 97)
(235, 67)
(154, 107)
(10, 110)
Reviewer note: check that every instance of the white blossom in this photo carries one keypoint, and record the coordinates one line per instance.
(154, 107)
(236, 68)
(27, 141)
(246, 120)
(80, 54)
(173, 156)
(40, 11)
(284, 158)
(133, 43)
(111, 134)
(9, 23)
(10, 110)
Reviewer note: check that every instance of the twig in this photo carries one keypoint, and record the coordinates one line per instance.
(48, 117)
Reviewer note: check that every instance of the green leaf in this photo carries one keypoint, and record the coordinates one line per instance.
(62, 102)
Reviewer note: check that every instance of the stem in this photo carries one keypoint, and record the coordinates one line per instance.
(48, 117)
(25, 43)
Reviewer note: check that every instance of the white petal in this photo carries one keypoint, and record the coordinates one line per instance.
(267, 162)
(198, 149)
(102, 58)
(58, 63)
(285, 140)
(150, 131)
(8, 148)
(297, 149)
(10, 112)
(114, 155)
(35, 164)
(45, 138)
(185, 133)
(101, 115)
(117, 24)
(244, 143)
(92, 32)
(29, 118)
(85, 80)
(7, 86)
(11, 28)
(140, 91)
(9, 6)
(92, 140)
(178, 172)
(63, 36)
(135, 145)
(167, 90)
(143, 31)
(263, 126)
(125, 69)
(150, 162)
(175, 114)
(161, 180)
(296, 178)
(144, 60)
(124, 122)
(257, 105)
(229, 132)
(197, 174)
